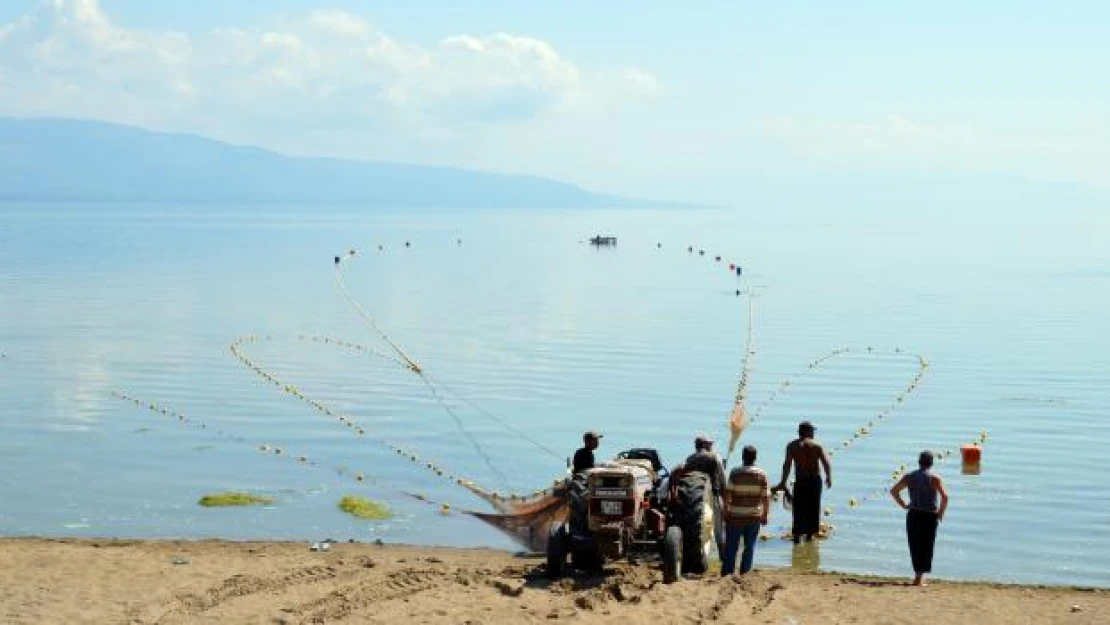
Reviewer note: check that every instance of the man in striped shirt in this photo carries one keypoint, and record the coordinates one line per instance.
(747, 504)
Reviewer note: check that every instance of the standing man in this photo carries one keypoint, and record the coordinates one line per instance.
(923, 514)
(747, 504)
(584, 457)
(808, 457)
(707, 461)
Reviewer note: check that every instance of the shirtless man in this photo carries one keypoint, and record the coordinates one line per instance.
(807, 457)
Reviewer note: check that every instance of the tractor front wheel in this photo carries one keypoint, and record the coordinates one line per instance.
(672, 554)
(558, 544)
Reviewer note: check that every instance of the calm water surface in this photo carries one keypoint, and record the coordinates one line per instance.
(552, 337)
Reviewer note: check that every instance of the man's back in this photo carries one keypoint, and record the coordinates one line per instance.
(583, 460)
(807, 454)
(747, 488)
(710, 464)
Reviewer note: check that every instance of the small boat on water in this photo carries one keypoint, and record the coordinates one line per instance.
(600, 240)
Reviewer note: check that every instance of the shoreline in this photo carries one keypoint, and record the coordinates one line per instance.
(141, 581)
(523, 555)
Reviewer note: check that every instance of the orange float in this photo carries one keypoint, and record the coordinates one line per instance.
(971, 454)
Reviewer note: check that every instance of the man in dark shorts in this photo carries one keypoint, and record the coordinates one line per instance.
(807, 457)
(584, 457)
(923, 513)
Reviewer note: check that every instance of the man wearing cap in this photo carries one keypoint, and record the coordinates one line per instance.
(704, 459)
(584, 457)
(807, 457)
(707, 461)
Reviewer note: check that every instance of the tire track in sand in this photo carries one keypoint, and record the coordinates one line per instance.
(186, 605)
(366, 595)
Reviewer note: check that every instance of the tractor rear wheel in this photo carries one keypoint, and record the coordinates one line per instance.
(695, 551)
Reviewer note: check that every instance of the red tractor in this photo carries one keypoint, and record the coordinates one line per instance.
(632, 507)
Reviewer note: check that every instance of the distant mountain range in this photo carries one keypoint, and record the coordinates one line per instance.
(76, 160)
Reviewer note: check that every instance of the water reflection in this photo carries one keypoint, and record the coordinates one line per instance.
(806, 556)
(971, 468)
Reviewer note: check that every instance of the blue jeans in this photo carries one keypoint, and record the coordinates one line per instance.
(733, 534)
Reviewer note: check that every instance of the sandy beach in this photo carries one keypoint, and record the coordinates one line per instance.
(133, 581)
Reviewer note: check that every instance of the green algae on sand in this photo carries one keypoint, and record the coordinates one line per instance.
(234, 498)
(364, 508)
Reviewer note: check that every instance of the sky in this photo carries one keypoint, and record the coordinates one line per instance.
(647, 99)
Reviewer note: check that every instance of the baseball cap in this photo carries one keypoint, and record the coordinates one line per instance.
(592, 434)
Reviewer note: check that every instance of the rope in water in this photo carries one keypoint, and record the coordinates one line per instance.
(409, 362)
(411, 365)
(738, 419)
(427, 379)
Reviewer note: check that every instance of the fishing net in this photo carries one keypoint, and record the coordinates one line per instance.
(529, 522)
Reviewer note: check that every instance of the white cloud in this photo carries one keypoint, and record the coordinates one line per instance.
(298, 76)
(340, 23)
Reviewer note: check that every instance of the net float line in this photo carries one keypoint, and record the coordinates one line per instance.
(817, 364)
(457, 396)
(785, 385)
(897, 474)
(320, 338)
(499, 500)
(899, 399)
(279, 452)
(195, 423)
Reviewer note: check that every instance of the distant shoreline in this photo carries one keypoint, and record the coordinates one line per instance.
(75, 160)
(212, 580)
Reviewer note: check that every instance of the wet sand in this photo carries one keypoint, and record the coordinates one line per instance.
(141, 581)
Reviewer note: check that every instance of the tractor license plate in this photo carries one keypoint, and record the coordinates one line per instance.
(613, 508)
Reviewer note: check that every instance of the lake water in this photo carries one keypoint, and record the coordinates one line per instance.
(551, 337)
